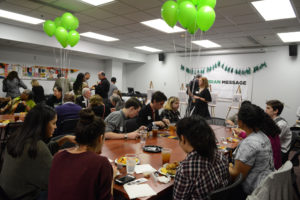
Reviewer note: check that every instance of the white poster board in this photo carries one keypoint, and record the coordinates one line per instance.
(214, 98)
(183, 97)
(236, 100)
(149, 95)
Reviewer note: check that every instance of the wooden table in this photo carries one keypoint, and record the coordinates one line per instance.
(113, 149)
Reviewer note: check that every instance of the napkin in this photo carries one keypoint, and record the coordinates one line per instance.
(164, 179)
(137, 191)
(144, 168)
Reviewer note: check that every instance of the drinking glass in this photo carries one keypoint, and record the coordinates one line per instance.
(143, 137)
(130, 163)
(172, 129)
(154, 131)
(166, 155)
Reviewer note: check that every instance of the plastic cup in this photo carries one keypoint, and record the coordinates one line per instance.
(143, 137)
(172, 129)
(166, 155)
(130, 163)
(154, 131)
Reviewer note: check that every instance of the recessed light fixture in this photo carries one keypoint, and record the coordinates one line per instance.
(161, 25)
(274, 10)
(97, 2)
(206, 43)
(290, 36)
(20, 17)
(99, 36)
(146, 48)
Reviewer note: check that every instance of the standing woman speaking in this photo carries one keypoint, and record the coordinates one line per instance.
(11, 85)
(201, 98)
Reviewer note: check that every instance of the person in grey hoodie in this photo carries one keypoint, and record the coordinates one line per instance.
(11, 85)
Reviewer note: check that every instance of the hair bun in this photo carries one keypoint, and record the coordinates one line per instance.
(87, 116)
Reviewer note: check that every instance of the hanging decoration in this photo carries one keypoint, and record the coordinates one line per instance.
(60, 27)
(191, 14)
(225, 67)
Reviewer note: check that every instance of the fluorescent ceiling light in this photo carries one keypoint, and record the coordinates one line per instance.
(206, 43)
(150, 49)
(19, 17)
(274, 9)
(99, 36)
(161, 25)
(290, 37)
(97, 2)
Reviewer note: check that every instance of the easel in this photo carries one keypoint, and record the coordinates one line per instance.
(238, 91)
(182, 100)
(150, 92)
(212, 106)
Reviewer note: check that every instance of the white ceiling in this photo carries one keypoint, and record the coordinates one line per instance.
(237, 25)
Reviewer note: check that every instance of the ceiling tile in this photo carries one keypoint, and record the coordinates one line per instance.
(50, 10)
(26, 3)
(237, 10)
(119, 20)
(119, 8)
(75, 6)
(139, 16)
(97, 13)
(13, 7)
(143, 4)
(248, 19)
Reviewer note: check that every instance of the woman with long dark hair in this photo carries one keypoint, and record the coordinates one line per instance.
(253, 156)
(27, 159)
(38, 94)
(204, 169)
(11, 85)
(79, 84)
(81, 173)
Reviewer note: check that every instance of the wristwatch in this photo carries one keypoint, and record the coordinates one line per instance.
(125, 136)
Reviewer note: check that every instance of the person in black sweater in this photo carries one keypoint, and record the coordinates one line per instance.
(103, 86)
(55, 99)
(201, 98)
(148, 116)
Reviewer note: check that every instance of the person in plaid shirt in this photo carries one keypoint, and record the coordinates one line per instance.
(205, 169)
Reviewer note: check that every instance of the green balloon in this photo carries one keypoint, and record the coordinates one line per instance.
(64, 44)
(186, 14)
(205, 18)
(75, 24)
(67, 20)
(61, 35)
(73, 38)
(49, 27)
(57, 21)
(193, 28)
(195, 2)
(169, 13)
(210, 3)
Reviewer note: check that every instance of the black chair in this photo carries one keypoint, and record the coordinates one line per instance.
(216, 121)
(131, 125)
(228, 192)
(295, 137)
(68, 126)
(3, 195)
(295, 162)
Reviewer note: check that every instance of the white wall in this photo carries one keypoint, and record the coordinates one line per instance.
(29, 57)
(280, 80)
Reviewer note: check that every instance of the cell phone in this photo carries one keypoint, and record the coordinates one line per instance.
(124, 179)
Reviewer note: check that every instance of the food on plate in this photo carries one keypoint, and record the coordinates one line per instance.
(122, 160)
(230, 139)
(170, 168)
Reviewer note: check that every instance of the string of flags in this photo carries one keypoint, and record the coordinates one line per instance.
(226, 68)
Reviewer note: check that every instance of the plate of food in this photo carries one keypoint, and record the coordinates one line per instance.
(122, 161)
(169, 169)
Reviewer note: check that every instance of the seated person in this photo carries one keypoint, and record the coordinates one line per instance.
(84, 99)
(253, 156)
(71, 179)
(38, 94)
(205, 169)
(28, 159)
(23, 103)
(55, 99)
(148, 116)
(170, 111)
(233, 120)
(100, 109)
(274, 109)
(69, 110)
(115, 121)
(115, 103)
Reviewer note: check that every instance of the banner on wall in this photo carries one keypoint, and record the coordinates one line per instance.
(34, 72)
(226, 84)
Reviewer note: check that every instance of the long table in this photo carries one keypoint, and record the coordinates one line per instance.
(114, 149)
